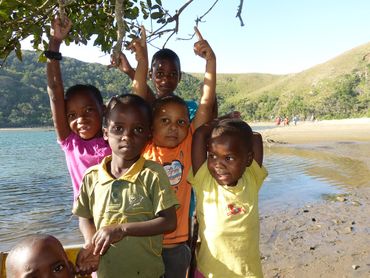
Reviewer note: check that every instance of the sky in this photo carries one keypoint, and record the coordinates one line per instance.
(279, 36)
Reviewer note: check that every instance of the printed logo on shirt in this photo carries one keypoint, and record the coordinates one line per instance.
(232, 209)
(174, 171)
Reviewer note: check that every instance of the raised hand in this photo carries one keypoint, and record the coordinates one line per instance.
(106, 236)
(139, 46)
(202, 48)
(59, 30)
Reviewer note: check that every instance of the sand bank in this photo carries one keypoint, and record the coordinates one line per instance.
(329, 238)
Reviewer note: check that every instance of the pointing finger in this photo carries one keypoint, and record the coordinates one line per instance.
(199, 35)
(143, 33)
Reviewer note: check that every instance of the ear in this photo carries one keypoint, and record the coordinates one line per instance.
(150, 74)
(180, 75)
(105, 133)
(250, 156)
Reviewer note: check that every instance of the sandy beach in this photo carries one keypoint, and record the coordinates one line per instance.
(331, 237)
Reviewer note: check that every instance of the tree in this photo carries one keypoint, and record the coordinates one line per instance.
(114, 22)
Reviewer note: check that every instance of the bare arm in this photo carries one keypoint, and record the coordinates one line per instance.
(199, 146)
(257, 148)
(106, 236)
(54, 79)
(206, 105)
(139, 85)
(87, 262)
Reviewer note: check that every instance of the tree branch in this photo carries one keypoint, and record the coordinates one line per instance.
(238, 14)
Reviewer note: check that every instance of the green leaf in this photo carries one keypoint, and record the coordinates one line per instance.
(156, 15)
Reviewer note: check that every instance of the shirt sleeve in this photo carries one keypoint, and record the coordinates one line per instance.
(198, 179)
(259, 173)
(81, 206)
(163, 196)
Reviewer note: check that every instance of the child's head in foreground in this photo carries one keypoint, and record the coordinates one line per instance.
(165, 72)
(127, 124)
(229, 151)
(38, 256)
(170, 121)
(84, 111)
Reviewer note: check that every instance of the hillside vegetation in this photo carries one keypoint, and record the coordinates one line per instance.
(339, 88)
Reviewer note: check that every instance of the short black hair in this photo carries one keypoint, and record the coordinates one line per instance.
(129, 99)
(166, 54)
(235, 127)
(159, 102)
(84, 87)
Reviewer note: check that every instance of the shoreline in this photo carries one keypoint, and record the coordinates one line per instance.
(330, 237)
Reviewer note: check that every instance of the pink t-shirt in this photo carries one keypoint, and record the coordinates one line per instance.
(82, 154)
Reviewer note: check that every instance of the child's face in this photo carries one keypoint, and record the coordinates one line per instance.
(170, 125)
(227, 159)
(166, 76)
(84, 115)
(128, 131)
(46, 258)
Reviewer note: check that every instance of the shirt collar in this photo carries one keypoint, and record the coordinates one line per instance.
(130, 176)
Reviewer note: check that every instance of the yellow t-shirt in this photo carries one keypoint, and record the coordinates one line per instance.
(139, 195)
(228, 224)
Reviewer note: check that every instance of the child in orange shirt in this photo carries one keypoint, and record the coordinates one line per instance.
(171, 144)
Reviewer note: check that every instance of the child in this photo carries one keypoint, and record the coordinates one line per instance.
(165, 70)
(171, 145)
(226, 186)
(77, 115)
(38, 256)
(125, 204)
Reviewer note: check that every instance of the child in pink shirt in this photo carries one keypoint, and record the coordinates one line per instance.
(77, 115)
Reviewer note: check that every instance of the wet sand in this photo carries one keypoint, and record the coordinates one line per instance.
(331, 237)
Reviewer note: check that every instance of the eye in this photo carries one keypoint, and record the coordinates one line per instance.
(181, 122)
(71, 116)
(138, 130)
(89, 110)
(211, 156)
(116, 129)
(159, 74)
(229, 158)
(59, 267)
(172, 74)
(165, 120)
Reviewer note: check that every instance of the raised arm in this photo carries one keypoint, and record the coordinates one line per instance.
(139, 85)
(206, 105)
(257, 148)
(54, 77)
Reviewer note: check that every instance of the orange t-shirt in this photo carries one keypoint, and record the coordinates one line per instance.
(176, 161)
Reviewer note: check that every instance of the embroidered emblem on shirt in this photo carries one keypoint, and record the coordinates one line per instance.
(234, 210)
(134, 201)
(174, 171)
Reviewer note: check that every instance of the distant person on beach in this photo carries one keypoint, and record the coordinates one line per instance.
(126, 203)
(277, 120)
(171, 145)
(38, 256)
(227, 174)
(295, 119)
(77, 114)
(286, 121)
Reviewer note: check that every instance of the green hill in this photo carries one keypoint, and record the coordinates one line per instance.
(339, 88)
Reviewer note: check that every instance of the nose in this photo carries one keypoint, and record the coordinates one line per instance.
(126, 134)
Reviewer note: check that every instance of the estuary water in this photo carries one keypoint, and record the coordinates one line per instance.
(36, 192)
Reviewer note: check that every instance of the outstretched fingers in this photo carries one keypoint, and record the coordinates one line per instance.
(197, 32)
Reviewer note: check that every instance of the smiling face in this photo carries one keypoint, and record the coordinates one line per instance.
(84, 115)
(43, 258)
(170, 125)
(166, 75)
(227, 158)
(127, 131)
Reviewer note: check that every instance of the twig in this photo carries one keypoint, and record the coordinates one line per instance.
(238, 14)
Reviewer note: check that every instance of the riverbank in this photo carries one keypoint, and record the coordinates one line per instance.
(329, 238)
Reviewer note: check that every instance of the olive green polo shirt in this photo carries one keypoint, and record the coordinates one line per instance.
(139, 195)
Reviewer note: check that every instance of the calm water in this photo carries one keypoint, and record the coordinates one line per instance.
(36, 192)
